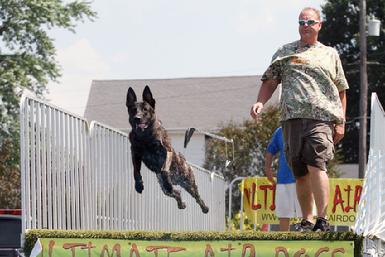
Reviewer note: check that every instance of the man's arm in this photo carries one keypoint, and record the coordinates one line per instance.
(267, 169)
(267, 89)
(340, 128)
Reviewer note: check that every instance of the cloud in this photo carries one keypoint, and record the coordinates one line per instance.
(252, 17)
(82, 57)
(120, 57)
(80, 63)
(255, 17)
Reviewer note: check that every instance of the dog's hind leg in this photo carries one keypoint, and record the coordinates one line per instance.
(168, 189)
(187, 181)
(191, 187)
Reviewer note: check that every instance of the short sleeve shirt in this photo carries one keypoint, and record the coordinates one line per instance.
(311, 77)
(284, 174)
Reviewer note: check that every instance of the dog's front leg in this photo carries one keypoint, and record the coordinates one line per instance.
(167, 184)
(137, 163)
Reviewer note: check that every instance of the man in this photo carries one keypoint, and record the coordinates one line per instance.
(286, 202)
(313, 104)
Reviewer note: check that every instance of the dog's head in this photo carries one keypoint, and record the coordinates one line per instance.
(141, 114)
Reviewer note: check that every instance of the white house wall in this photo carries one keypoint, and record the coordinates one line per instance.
(195, 151)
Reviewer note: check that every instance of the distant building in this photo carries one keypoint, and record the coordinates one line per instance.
(202, 103)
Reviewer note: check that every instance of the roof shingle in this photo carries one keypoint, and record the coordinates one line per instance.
(202, 103)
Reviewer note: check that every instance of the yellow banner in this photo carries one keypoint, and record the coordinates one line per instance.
(259, 200)
(91, 247)
(344, 197)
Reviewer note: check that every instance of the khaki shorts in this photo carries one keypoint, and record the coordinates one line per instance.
(308, 142)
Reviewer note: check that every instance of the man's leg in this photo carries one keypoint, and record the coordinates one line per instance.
(284, 224)
(319, 183)
(305, 196)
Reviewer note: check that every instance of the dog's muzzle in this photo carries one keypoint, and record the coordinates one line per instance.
(141, 126)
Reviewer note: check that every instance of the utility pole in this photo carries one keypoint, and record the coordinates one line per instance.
(363, 92)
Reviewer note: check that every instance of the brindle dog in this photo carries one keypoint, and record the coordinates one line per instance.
(151, 144)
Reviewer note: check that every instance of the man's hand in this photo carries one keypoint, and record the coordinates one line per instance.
(265, 92)
(270, 175)
(256, 109)
(339, 132)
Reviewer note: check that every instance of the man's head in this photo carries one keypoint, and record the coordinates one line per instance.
(309, 25)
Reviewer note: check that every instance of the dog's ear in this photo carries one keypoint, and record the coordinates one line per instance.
(147, 96)
(131, 98)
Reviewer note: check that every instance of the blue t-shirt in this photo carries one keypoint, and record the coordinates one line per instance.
(284, 174)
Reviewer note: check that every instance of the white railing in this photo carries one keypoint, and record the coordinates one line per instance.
(370, 221)
(76, 176)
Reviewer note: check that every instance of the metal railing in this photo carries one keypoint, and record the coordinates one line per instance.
(370, 221)
(76, 177)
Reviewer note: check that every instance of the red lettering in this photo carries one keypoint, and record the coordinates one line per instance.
(115, 248)
(73, 246)
(134, 249)
(228, 249)
(272, 206)
(281, 249)
(51, 244)
(254, 205)
(348, 189)
(250, 247)
(357, 196)
(209, 250)
(300, 252)
(265, 189)
(321, 250)
(337, 199)
(247, 192)
(338, 250)
(169, 249)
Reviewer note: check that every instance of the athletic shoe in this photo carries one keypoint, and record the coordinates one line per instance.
(321, 225)
(304, 226)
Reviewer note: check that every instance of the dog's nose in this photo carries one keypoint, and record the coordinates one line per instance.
(137, 120)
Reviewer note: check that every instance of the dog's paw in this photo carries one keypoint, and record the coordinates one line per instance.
(181, 205)
(139, 186)
(205, 209)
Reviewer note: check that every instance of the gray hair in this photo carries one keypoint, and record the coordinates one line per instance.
(317, 12)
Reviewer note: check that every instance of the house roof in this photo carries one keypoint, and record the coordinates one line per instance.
(203, 103)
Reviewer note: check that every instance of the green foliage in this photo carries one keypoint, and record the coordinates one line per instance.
(332, 166)
(32, 235)
(234, 224)
(346, 40)
(250, 141)
(10, 189)
(27, 61)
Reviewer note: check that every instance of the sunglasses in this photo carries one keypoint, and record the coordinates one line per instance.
(308, 22)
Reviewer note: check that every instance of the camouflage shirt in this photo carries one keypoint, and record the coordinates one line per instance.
(311, 77)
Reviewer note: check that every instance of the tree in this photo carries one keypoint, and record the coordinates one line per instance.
(250, 142)
(27, 61)
(341, 30)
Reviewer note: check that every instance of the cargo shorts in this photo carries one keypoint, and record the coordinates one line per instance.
(308, 142)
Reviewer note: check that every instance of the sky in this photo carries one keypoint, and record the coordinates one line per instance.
(153, 39)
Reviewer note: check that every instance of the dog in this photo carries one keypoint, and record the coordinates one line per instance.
(151, 145)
